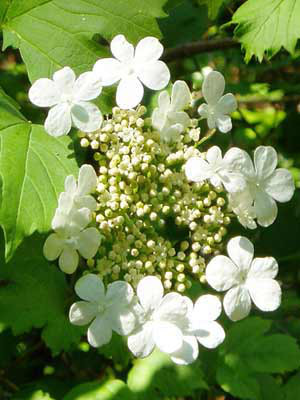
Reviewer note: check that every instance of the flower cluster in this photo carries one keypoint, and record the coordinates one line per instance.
(150, 215)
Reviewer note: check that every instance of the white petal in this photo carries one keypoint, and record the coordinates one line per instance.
(237, 303)
(181, 96)
(221, 273)
(65, 80)
(70, 184)
(203, 110)
(108, 70)
(167, 337)
(232, 181)
(265, 208)
(44, 93)
(241, 251)
(265, 267)
(164, 101)
(58, 121)
(68, 260)
(207, 308)
(158, 119)
(188, 352)
(53, 247)
(119, 293)
(122, 320)
(129, 93)
(86, 116)
(238, 160)
(90, 287)
(82, 312)
(265, 293)
(265, 161)
(89, 242)
(179, 117)
(150, 292)
(224, 123)
(210, 334)
(280, 185)
(197, 169)
(148, 50)
(172, 133)
(227, 104)
(214, 155)
(155, 75)
(211, 121)
(87, 180)
(87, 87)
(86, 202)
(121, 48)
(172, 308)
(99, 332)
(141, 343)
(213, 87)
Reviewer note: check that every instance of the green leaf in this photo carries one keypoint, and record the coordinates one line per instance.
(32, 395)
(34, 294)
(158, 374)
(116, 350)
(265, 26)
(51, 34)
(214, 7)
(33, 167)
(292, 387)
(270, 389)
(109, 390)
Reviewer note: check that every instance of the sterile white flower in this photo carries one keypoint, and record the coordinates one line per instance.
(265, 183)
(218, 106)
(245, 278)
(65, 244)
(133, 67)
(68, 98)
(110, 311)
(169, 118)
(241, 204)
(216, 169)
(161, 319)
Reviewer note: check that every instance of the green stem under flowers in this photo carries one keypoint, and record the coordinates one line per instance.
(209, 134)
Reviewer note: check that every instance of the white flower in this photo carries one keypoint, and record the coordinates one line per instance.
(162, 319)
(202, 327)
(132, 67)
(168, 118)
(218, 106)
(215, 169)
(110, 311)
(68, 98)
(70, 239)
(245, 278)
(265, 183)
(241, 204)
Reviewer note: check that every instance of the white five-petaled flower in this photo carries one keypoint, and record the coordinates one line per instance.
(218, 106)
(241, 204)
(265, 183)
(245, 278)
(133, 68)
(110, 311)
(169, 118)
(161, 319)
(68, 98)
(202, 327)
(216, 169)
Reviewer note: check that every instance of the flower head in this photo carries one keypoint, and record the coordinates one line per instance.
(245, 279)
(215, 169)
(68, 98)
(265, 183)
(169, 118)
(133, 68)
(218, 106)
(110, 311)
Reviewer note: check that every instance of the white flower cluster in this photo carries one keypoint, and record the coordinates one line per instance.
(72, 216)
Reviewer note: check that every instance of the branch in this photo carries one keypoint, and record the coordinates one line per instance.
(201, 46)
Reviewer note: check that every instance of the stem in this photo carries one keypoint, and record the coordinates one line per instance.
(210, 133)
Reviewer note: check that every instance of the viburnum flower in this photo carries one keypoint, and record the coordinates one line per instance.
(245, 279)
(265, 183)
(161, 319)
(241, 204)
(70, 239)
(77, 195)
(215, 169)
(202, 327)
(68, 98)
(110, 311)
(218, 106)
(133, 68)
(169, 118)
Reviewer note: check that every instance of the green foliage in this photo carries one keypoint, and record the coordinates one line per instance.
(213, 6)
(33, 167)
(265, 26)
(112, 389)
(292, 387)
